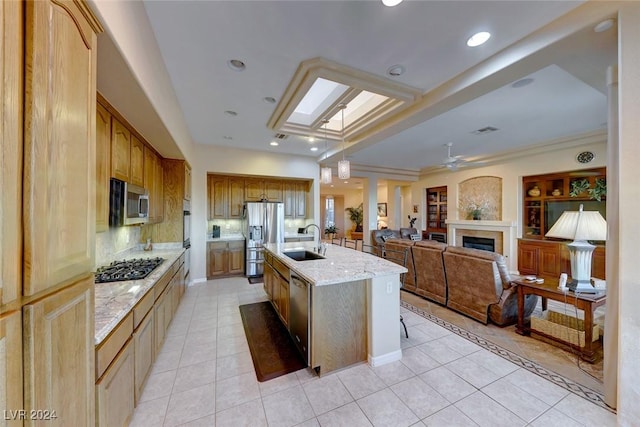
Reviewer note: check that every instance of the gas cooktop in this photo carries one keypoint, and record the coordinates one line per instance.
(132, 269)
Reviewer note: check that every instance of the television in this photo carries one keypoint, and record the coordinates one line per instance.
(554, 208)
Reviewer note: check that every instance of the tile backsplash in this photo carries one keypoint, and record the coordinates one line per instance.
(234, 226)
(115, 241)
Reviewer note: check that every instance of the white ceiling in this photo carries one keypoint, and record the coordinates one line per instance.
(197, 38)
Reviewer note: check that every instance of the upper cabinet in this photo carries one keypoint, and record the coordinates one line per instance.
(11, 122)
(137, 162)
(187, 181)
(295, 199)
(254, 189)
(226, 196)
(103, 167)
(174, 188)
(59, 143)
(120, 151)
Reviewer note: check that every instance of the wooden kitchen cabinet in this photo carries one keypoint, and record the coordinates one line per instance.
(158, 190)
(273, 189)
(295, 199)
(137, 162)
(276, 275)
(226, 196)
(11, 363)
(254, 189)
(120, 151)
(48, 216)
(59, 155)
(11, 137)
(59, 353)
(115, 390)
(225, 258)
(144, 352)
(150, 174)
(103, 167)
(187, 181)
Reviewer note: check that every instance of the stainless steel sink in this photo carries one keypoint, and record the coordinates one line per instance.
(303, 255)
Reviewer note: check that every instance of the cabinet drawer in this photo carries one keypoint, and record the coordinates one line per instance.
(142, 308)
(112, 345)
(281, 268)
(158, 288)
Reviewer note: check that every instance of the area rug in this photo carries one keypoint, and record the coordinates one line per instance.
(559, 380)
(272, 349)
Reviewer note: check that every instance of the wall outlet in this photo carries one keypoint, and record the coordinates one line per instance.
(389, 287)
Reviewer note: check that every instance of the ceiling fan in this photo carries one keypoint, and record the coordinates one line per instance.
(454, 162)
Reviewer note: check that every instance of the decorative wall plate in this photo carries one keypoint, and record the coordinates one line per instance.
(585, 157)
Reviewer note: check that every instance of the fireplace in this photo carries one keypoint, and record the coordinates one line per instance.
(482, 243)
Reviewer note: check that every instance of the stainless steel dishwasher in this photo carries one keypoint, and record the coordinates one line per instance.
(299, 303)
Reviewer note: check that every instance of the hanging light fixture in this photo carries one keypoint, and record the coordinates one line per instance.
(344, 169)
(325, 172)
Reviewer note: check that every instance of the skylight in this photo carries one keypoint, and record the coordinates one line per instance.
(317, 89)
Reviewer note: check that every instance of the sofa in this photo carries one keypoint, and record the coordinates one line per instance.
(379, 237)
(473, 282)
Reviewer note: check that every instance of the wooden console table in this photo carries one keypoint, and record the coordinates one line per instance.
(586, 302)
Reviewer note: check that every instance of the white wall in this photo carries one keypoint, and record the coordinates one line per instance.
(511, 172)
(209, 159)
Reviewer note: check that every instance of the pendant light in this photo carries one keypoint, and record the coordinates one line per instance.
(325, 172)
(344, 169)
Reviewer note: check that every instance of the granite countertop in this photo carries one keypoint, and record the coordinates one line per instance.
(225, 238)
(114, 300)
(340, 264)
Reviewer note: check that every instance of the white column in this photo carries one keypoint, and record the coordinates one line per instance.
(628, 391)
(610, 362)
(383, 317)
(370, 206)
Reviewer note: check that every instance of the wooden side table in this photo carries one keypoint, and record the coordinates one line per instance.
(549, 290)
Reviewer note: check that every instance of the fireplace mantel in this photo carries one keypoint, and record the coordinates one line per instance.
(503, 231)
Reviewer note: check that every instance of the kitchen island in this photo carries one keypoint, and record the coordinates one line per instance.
(352, 307)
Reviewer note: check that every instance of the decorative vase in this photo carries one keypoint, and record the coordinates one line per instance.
(476, 214)
(534, 192)
(556, 192)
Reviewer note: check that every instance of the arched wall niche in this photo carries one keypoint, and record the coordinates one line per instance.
(483, 193)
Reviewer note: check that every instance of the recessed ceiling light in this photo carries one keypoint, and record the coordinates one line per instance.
(395, 70)
(236, 65)
(314, 148)
(227, 137)
(391, 3)
(274, 143)
(522, 82)
(478, 38)
(269, 99)
(311, 139)
(604, 25)
(231, 113)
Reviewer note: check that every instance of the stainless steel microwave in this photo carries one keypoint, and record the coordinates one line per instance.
(128, 204)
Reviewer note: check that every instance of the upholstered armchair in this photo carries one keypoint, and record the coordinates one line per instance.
(479, 285)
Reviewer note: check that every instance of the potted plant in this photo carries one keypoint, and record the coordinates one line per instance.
(331, 231)
(356, 215)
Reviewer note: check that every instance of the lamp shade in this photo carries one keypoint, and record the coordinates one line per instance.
(580, 225)
(325, 175)
(344, 170)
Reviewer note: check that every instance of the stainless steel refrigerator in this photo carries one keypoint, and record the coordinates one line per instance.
(263, 223)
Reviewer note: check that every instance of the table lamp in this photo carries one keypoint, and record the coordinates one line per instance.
(580, 226)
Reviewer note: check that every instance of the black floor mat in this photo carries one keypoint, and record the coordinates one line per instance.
(254, 280)
(272, 349)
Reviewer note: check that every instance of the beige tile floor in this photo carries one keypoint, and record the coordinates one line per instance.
(204, 376)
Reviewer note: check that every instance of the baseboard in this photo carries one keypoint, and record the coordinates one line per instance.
(201, 280)
(385, 358)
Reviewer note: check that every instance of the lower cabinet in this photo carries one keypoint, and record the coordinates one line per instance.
(225, 258)
(278, 287)
(11, 365)
(144, 352)
(59, 354)
(115, 390)
(161, 309)
(547, 259)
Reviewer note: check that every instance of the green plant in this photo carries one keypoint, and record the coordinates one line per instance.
(332, 229)
(581, 186)
(578, 187)
(598, 190)
(356, 215)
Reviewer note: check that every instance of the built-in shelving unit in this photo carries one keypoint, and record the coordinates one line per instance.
(436, 211)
